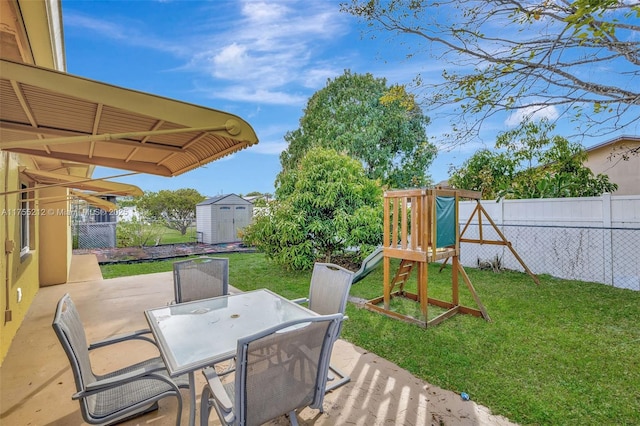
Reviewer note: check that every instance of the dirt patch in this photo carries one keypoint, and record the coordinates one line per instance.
(160, 252)
(347, 262)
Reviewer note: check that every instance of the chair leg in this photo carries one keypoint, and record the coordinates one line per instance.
(205, 406)
(293, 419)
(179, 416)
(344, 379)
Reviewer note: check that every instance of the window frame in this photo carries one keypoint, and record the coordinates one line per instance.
(25, 219)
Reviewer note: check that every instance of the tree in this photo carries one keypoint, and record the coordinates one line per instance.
(126, 201)
(323, 209)
(534, 164)
(485, 171)
(381, 126)
(582, 56)
(550, 166)
(175, 209)
(137, 233)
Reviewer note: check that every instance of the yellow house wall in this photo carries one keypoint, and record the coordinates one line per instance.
(31, 32)
(55, 236)
(626, 174)
(19, 273)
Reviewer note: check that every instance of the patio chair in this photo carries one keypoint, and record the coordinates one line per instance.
(279, 370)
(118, 395)
(328, 293)
(200, 278)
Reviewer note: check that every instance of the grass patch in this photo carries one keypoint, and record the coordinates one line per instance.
(564, 352)
(172, 236)
(136, 233)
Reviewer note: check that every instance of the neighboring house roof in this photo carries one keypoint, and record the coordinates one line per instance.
(254, 198)
(614, 158)
(614, 141)
(443, 184)
(219, 198)
(52, 114)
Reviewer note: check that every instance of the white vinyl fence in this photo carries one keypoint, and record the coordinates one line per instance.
(589, 239)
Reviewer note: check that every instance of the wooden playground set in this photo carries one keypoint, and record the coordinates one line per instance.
(420, 227)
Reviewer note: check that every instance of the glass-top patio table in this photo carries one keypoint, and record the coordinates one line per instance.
(197, 334)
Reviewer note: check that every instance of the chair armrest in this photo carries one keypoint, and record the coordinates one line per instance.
(134, 335)
(149, 371)
(301, 300)
(218, 391)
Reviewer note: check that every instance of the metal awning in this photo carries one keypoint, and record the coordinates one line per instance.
(95, 201)
(57, 115)
(97, 185)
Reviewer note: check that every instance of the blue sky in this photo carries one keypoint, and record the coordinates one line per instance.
(260, 60)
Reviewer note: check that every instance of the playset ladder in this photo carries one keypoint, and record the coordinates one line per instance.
(402, 274)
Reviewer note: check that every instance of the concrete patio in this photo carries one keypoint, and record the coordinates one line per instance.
(36, 382)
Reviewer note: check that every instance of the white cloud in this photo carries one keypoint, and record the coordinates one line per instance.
(125, 30)
(263, 51)
(258, 95)
(263, 11)
(274, 48)
(96, 25)
(269, 148)
(534, 113)
(267, 52)
(315, 78)
(229, 60)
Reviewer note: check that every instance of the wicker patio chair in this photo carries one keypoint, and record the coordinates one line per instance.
(200, 278)
(328, 294)
(118, 395)
(278, 371)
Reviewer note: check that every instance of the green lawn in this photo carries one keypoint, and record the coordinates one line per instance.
(172, 236)
(167, 235)
(564, 352)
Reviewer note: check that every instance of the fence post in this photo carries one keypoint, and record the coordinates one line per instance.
(607, 239)
(500, 219)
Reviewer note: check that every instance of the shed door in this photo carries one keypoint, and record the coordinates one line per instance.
(241, 219)
(225, 228)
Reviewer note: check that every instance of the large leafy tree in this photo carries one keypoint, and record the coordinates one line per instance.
(360, 115)
(581, 57)
(175, 209)
(531, 163)
(326, 208)
(485, 171)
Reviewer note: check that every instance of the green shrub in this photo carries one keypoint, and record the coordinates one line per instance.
(324, 209)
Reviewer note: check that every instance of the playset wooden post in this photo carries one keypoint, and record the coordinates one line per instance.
(421, 226)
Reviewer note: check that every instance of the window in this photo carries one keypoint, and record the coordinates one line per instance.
(24, 219)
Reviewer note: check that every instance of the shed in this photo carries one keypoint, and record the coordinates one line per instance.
(219, 219)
